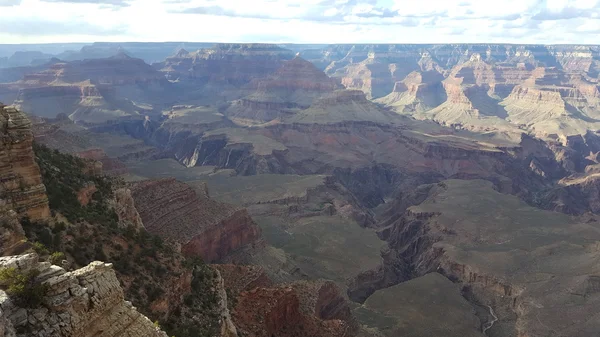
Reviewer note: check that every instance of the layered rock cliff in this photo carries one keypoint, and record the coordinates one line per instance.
(202, 226)
(293, 86)
(314, 308)
(229, 63)
(21, 186)
(91, 91)
(84, 302)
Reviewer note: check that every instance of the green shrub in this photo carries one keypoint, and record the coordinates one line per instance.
(59, 227)
(56, 258)
(22, 288)
(40, 249)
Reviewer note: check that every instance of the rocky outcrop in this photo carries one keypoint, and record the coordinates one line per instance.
(293, 86)
(82, 303)
(12, 234)
(313, 308)
(84, 195)
(126, 210)
(240, 278)
(92, 91)
(110, 166)
(115, 70)
(297, 309)
(228, 63)
(228, 329)
(203, 227)
(21, 181)
(419, 91)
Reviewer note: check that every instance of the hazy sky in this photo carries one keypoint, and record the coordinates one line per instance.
(301, 21)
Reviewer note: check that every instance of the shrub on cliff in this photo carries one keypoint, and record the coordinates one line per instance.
(64, 175)
(145, 264)
(22, 287)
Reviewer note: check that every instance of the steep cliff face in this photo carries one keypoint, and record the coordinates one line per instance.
(126, 210)
(296, 309)
(85, 302)
(202, 226)
(21, 182)
(92, 91)
(115, 70)
(12, 234)
(419, 91)
(227, 63)
(110, 166)
(293, 86)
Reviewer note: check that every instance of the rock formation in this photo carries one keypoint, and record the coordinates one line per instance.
(341, 106)
(110, 166)
(84, 302)
(298, 309)
(21, 186)
(228, 63)
(542, 89)
(293, 86)
(202, 226)
(92, 91)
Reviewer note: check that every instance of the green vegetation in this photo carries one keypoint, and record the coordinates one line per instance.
(145, 264)
(201, 302)
(22, 287)
(56, 258)
(64, 175)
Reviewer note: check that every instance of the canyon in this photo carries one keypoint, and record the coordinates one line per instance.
(317, 183)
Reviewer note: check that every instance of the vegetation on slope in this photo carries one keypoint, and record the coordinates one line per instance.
(22, 288)
(146, 265)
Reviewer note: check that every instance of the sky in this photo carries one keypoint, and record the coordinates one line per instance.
(302, 21)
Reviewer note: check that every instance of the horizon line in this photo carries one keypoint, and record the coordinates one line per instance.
(308, 43)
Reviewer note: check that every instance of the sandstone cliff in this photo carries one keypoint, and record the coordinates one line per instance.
(91, 91)
(21, 182)
(314, 308)
(295, 85)
(202, 226)
(85, 302)
(229, 63)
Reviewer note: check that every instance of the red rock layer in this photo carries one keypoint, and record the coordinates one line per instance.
(314, 308)
(290, 311)
(240, 278)
(203, 227)
(298, 74)
(229, 63)
(117, 70)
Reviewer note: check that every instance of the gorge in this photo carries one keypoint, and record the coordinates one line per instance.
(290, 190)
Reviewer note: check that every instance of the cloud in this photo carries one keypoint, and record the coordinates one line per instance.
(110, 3)
(303, 21)
(220, 11)
(7, 3)
(562, 14)
(33, 27)
(330, 11)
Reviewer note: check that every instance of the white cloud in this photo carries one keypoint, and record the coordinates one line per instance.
(318, 21)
